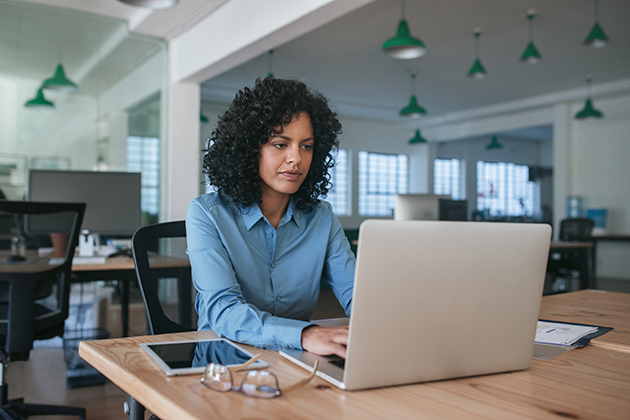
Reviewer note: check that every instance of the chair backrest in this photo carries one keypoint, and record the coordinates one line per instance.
(29, 272)
(576, 229)
(164, 275)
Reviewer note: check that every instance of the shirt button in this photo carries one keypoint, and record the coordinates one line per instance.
(273, 265)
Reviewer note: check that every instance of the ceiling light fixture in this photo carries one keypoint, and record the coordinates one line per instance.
(404, 46)
(596, 38)
(494, 144)
(477, 70)
(417, 138)
(531, 54)
(202, 118)
(60, 82)
(588, 112)
(151, 4)
(413, 110)
(39, 102)
(270, 63)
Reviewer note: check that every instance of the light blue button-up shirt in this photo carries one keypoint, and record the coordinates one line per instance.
(258, 285)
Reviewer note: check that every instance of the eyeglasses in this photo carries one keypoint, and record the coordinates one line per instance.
(255, 383)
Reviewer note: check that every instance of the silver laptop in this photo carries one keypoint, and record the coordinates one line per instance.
(439, 300)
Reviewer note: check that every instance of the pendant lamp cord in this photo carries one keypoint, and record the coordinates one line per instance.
(530, 17)
(402, 9)
(413, 82)
(477, 35)
(596, 12)
(270, 61)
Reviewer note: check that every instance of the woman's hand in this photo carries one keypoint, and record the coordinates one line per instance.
(325, 341)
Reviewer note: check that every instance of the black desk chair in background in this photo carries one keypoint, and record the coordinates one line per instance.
(567, 264)
(25, 279)
(164, 275)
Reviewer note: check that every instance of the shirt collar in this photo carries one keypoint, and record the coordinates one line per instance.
(252, 214)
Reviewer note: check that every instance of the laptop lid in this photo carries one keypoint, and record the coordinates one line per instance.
(441, 300)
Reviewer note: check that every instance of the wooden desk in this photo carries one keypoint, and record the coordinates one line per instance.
(593, 382)
(595, 307)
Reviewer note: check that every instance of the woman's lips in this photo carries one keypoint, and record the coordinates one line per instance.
(292, 175)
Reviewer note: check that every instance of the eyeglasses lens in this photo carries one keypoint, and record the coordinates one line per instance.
(217, 377)
(260, 384)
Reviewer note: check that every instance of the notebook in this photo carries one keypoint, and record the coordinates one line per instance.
(439, 300)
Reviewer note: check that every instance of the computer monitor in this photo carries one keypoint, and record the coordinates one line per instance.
(456, 210)
(112, 198)
(417, 206)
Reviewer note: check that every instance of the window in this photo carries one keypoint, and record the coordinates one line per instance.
(143, 155)
(338, 195)
(381, 176)
(504, 189)
(446, 177)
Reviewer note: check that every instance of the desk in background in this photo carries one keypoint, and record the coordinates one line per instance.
(592, 382)
(584, 251)
(121, 269)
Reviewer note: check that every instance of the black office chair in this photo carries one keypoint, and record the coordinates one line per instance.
(164, 275)
(25, 279)
(576, 229)
(566, 264)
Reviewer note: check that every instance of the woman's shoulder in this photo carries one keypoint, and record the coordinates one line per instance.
(212, 202)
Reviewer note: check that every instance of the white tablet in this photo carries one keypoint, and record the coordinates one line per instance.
(188, 357)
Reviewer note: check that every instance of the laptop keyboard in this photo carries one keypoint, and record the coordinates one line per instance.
(337, 361)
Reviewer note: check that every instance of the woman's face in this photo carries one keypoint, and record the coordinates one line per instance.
(286, 158)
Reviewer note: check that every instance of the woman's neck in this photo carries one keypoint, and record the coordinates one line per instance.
(274, 207)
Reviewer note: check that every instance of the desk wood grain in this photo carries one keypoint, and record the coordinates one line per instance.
(594, 307)
(592, 382)
(116, 263)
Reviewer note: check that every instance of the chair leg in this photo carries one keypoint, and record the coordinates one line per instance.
(6, 413)
(25, 410)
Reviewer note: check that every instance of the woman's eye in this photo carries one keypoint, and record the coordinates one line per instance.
(279, 145)
(308, 147)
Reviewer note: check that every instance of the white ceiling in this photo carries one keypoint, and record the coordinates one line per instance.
(343, 59)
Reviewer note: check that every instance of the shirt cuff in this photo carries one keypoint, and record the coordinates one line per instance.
(284, 332)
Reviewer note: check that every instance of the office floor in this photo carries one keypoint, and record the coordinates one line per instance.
(42, 379)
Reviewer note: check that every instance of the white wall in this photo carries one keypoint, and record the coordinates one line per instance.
(600, 154)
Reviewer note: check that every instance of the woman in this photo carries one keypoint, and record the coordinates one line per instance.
(259, 246)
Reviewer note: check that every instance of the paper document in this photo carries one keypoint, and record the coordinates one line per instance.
(561, 334)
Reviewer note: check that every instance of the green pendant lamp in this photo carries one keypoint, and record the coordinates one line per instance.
(588, 112)
(531, 54)
(151, 4)
(596, 38)
(494, 144)
(417, 138)
(39, 102)
(60, 82)
(404, 46)
(203, 119)
(270, 62)
(477, 70)
(413, 110)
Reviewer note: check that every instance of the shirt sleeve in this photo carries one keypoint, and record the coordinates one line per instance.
(340, 264)
(220, 302)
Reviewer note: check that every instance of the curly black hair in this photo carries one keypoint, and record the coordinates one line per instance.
(255, 116)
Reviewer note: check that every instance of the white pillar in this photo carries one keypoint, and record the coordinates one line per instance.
(562, 173)
(182, 149)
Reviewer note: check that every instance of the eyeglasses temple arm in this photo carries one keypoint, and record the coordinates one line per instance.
(244, 365)
(304, 381)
